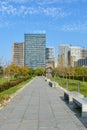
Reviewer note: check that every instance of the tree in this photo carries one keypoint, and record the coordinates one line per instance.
(31, 71)
(24, 71)
(69, 71)
(39, 71)
(1, 70)
(12, 70)
(81, 72)
(61, 60)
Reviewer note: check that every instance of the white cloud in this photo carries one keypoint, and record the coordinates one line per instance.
(74, 27)
(26, 10)
(7, 9)
(45, 2)
(42, 2)
(23, 8)
(20, 1)
(54, 12)
(10, 9)
(43, 7)
(16, 1)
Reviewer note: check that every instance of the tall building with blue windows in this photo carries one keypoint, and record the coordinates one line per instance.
(34, 50)
(50, 57)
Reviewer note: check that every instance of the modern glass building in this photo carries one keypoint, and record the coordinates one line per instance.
(50, 57)
(50, 54)
(34, 50)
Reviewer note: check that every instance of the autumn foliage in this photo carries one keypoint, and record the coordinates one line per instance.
(17, 74)
(14, 70)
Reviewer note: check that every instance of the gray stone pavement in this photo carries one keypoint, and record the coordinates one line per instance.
(39, 107)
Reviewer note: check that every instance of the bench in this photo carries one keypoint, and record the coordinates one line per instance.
(46, 79)
(55, 84)
(70, 95)
(51, 83)
(82, 103)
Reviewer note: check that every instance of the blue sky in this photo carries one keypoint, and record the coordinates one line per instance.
(63, 21)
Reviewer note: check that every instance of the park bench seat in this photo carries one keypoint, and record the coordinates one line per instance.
(70, 95)
(82, 103)
(53, 84)
(50, 83)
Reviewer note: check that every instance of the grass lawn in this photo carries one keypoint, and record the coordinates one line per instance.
(72, 85)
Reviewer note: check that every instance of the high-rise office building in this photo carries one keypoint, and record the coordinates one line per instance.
(34, 50)
(75, 54)
(18, 53)
(68, 55)
(50, 57)
(82, 61)
(84, 52)
(63, 57)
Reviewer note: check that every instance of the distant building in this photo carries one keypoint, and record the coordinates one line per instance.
(18, 53)
(82, 62)
(84, 53)
(69, 55)
(34, 50)
(50, 57)
(63, 56)
(75, 54)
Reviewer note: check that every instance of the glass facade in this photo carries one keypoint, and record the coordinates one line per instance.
(34, 50)
(50, 54)
(49, 57)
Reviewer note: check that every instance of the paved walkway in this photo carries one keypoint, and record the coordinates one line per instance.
(39, 107)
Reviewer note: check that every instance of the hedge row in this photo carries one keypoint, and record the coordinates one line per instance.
(10, 84)
(76, 77)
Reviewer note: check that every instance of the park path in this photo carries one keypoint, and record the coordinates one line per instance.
(39, 107)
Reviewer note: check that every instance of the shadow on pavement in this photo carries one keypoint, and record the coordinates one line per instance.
(76, 111)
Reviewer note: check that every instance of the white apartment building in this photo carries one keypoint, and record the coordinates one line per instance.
(69, 55)
(75, 54)
(64, 50)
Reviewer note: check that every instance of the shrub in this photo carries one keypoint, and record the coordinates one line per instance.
(7, 85)
(4, 86)
(12, 83)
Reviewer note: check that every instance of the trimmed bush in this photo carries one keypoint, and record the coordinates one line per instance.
(4, 86)
(7, 85)
(10, 84)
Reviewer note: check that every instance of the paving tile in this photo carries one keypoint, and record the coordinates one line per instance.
(9, 127)
(48, 128)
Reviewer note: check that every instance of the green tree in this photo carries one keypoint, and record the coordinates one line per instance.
(12, 70)
(31, 72)
(24, 71)
(1, 71)
(81, 72)
(39, 71)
